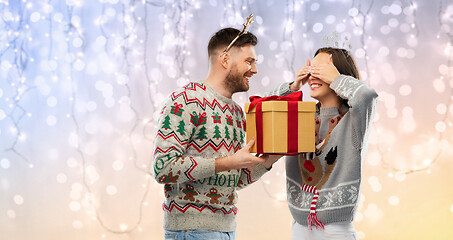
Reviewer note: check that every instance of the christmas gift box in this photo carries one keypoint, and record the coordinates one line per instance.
(281, 125)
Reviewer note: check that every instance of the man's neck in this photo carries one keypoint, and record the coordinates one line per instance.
(217, 83)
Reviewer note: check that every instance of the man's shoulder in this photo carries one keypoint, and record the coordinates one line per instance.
(192, 88)
(191, 92)
(195, 87)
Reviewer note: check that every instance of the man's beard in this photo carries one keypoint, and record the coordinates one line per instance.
(235, 82)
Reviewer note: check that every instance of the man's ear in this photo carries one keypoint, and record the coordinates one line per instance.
(225, 59)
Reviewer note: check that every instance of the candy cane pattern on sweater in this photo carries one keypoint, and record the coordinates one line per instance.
(312, 218)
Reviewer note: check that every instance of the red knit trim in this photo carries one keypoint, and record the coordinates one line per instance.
(213, 146)
(193, 86)
(159, 134)
(200, 208)
(188, 175)
(164, 151)
(249, 175)
(205, 103)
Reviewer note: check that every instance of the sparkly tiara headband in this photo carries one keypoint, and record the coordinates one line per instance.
(334, 41)
(250, 19)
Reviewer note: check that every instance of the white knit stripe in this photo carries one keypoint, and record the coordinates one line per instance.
(353, 182)
(322, 209)
(353, 93)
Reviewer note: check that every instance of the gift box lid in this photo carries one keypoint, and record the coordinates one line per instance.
(282, 106)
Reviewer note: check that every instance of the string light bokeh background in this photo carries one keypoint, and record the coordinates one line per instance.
(82, 84)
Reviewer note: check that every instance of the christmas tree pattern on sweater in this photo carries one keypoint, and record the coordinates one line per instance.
(196, 126)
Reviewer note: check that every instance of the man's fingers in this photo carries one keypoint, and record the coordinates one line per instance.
(308, 62)
(260, 159)
(250, 143)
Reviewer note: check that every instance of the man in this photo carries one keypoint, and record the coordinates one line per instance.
(198, 150)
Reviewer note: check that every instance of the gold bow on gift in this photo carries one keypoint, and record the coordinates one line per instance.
(250, 19)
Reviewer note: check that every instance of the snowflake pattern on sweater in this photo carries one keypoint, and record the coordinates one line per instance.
(344, 195)
(335, 168)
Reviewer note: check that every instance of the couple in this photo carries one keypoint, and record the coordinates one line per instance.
(201, 158)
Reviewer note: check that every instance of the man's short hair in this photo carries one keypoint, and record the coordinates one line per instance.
(223, 38)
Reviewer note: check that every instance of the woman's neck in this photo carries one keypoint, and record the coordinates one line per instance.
(333, 101)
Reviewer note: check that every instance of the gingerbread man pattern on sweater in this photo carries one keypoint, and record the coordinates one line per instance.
(196, 126)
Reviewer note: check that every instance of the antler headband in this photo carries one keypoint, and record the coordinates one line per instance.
(250, 19)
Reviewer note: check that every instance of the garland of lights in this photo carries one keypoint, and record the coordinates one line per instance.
(360, 21)
(15, 21)
(400, 172)
(288, 34)
(15, 45)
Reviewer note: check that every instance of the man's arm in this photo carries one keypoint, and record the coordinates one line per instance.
(171, 163)
(243, 159)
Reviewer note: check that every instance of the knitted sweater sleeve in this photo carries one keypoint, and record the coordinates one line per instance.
(362, 102)
(281, 90)
(172, 163)
(250, 175)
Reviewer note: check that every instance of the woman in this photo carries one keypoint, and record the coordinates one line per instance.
(323, 188)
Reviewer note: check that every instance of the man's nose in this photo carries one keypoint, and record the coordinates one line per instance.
(254, 69)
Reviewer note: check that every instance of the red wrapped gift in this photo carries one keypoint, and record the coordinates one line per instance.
(281, 125)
